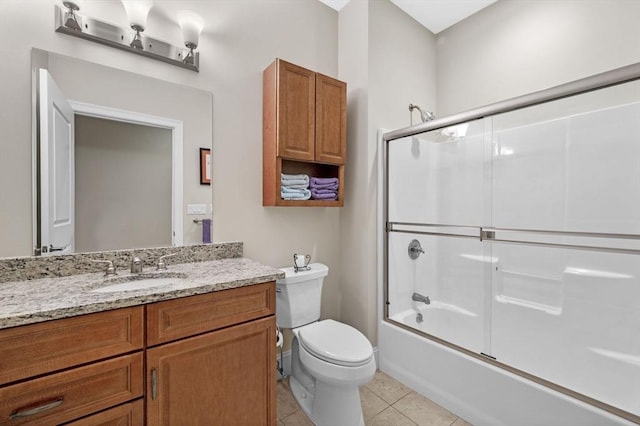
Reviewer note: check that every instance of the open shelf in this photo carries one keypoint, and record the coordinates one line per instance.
(311, 169)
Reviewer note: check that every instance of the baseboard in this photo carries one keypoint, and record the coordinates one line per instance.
(286, 363)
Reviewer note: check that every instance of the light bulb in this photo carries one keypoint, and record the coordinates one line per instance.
(191, 24)
(137, 12)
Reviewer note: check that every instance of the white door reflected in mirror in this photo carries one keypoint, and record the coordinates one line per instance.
(57, 181)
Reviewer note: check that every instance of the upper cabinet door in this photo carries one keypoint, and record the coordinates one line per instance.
(57, 185)
(296, 112)
(331, 120)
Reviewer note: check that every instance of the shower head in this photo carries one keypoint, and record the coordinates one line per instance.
(424, 115)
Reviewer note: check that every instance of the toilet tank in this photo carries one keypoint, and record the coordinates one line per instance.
(299, 295)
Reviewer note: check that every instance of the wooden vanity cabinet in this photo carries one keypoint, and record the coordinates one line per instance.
(304, 129)
(212, 358)
(58, 371)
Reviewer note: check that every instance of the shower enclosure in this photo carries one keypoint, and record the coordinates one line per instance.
(526, 216)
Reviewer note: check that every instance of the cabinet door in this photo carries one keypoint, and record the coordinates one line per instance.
(295, 112)
(225, 377)
(331, 120)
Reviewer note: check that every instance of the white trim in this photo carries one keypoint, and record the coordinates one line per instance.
(176, 127)
(35, 147)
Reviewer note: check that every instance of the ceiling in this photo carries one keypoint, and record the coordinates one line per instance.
(435, 15)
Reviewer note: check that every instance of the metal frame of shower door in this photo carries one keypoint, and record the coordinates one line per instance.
(603, 80)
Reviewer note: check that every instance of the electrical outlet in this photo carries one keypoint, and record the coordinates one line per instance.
(196, 209)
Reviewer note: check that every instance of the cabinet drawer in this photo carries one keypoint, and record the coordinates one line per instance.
(35, 349)
(130, 414)
(74, 393)
(178, 318)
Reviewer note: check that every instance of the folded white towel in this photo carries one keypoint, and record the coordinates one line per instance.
(294, 177)
(297, 180)
(294, 194)
(299, 186)
(295, 183)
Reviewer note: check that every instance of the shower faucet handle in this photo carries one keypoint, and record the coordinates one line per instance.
(415, 249)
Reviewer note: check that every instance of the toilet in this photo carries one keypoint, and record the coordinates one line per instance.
(329, 360)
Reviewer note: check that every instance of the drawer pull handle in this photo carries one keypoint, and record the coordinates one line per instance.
(154, 384)
(47, 405)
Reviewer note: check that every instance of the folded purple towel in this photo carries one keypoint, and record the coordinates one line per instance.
(323, 195)
(329, 187)
(324, 191)
(316, 181)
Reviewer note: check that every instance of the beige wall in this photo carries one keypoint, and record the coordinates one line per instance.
(356, 307)
(389, 61)
(515, 47)
(122, 173)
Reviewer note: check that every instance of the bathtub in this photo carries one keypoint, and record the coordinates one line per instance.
(477, 391)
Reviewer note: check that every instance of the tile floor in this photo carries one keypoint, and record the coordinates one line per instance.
(385, 402)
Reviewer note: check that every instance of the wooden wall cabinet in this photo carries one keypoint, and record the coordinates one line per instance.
(304, 129)
(210, 360)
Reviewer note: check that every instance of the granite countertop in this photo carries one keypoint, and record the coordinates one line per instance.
(32, 301)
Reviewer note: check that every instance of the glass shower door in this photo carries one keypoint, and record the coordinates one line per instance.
(437, 200)
(566, 238)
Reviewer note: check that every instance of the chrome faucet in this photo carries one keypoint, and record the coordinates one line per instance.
(136, 265)
(420, 298)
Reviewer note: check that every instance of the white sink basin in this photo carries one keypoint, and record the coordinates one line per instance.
(138, 282)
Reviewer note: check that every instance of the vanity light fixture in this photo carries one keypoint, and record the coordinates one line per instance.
(137, 11)
(132, 39)
(191, 24)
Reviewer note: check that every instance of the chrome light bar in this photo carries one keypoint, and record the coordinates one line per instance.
(114, 36)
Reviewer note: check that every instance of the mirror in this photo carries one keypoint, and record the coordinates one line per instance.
(130, 163)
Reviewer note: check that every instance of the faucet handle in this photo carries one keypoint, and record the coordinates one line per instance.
(161, 266)
(111, 269)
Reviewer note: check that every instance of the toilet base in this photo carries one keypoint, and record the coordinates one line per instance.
(328, 405)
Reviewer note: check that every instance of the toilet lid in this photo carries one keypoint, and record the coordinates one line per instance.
(335, 342)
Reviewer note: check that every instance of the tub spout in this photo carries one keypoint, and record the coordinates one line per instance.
(420, 298)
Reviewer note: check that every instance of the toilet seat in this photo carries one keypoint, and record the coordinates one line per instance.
(336, 343)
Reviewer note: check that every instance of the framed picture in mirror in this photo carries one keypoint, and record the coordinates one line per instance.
(205, 166)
